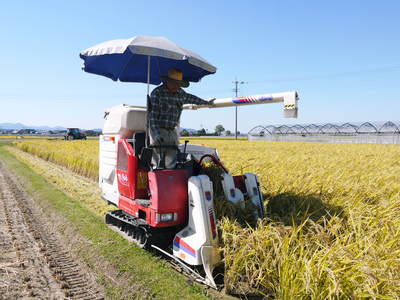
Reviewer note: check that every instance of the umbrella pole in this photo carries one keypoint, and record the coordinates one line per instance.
(148, 75)
(148, 106)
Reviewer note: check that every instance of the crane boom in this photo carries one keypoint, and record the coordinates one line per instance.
(289, 100)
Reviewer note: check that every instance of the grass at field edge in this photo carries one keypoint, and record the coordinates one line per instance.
(152, 278)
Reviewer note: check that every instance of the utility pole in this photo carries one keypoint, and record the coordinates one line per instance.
(236, 89)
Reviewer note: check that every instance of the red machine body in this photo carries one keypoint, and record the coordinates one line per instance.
(132, 181)
(159, 197)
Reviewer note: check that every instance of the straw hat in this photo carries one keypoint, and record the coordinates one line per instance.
(176, 75)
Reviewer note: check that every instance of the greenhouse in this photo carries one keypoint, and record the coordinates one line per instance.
(363, 133)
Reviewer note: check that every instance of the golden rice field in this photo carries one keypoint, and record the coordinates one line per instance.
(79, 156)
(332, 228)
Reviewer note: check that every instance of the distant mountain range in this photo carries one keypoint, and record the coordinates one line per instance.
(190, 130)
(19, 126)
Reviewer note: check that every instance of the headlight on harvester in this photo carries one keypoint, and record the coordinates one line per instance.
(166, 217)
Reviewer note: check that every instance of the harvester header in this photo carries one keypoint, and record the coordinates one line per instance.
(289, 99)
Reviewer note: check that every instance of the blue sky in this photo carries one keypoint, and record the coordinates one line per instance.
(341, 56)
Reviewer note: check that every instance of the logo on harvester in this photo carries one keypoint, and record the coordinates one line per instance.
(181, 244)
(122, 178)
(250, 99)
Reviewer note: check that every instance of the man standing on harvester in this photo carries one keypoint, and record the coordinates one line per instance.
(164, 111)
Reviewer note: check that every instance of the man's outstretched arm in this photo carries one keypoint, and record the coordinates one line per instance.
(192, 99)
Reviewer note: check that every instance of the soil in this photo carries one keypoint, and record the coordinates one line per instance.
(34, 258)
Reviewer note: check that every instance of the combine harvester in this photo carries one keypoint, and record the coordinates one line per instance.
(171, 210)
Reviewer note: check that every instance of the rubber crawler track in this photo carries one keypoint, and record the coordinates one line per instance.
(33, 260)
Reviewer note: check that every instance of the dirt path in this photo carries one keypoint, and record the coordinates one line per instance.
(33, 262)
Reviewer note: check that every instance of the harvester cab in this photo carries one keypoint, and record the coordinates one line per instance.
(171, 210)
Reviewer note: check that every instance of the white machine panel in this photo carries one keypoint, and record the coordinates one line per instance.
(124, 120)
(107, 167)
(232, 193)
(197, 243)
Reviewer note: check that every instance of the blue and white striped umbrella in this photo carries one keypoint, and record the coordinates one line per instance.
(143, 59)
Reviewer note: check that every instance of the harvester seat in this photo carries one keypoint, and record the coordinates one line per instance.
(139, 142)
(141, 151)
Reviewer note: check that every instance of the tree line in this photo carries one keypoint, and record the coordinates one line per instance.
(218, 131)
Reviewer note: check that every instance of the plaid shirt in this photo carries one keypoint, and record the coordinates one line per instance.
(166, 107)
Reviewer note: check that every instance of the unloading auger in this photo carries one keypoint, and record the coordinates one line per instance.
(289, 99)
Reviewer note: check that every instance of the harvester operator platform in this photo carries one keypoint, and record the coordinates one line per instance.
(164, 111)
